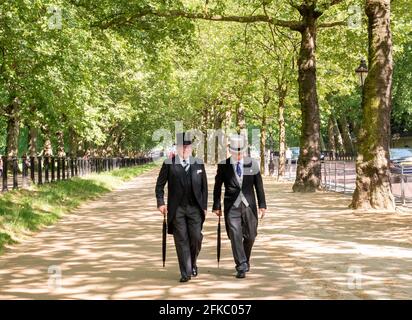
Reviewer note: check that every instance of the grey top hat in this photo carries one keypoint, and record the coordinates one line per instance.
(237, 143)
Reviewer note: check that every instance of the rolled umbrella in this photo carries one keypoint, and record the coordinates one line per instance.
(164, 240)
(218, 243)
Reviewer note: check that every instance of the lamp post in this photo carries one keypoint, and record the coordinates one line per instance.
(362, 72)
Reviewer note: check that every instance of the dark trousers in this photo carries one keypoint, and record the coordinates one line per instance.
(188, 237)
(242, 232)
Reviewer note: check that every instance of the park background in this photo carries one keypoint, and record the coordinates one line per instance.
(86, 84)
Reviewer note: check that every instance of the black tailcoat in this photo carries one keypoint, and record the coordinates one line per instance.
(173, 173)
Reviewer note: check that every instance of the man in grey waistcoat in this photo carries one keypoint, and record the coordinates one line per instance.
(241, 177)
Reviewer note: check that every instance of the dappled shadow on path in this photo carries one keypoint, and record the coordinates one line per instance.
(309, 246)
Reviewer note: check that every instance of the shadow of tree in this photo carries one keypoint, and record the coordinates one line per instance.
(309, 246)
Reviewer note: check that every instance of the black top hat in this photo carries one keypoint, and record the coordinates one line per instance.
(183, 138)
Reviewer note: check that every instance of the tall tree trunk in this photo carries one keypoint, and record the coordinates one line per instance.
(32, 141)
(217, 125)
(322, 143)
(338, 135)
(263, 141)
(228, 118)
(60, 144)
(331, 135)
(355, 129)
(373, 187)
(13, 129)
(347, 139)
(205, 126)
(240, 117)
(308, 174)
(81, 150)
(282, 134)
(263, 129)
(47, 147)
(73, 142)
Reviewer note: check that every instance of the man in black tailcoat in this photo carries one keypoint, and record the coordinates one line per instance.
(186, 203)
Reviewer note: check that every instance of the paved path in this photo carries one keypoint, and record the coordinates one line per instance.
(309, 246)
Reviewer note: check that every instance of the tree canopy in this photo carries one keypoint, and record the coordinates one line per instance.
(102, 76)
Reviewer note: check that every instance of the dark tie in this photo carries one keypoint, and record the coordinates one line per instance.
(238, 170)
(185, 165)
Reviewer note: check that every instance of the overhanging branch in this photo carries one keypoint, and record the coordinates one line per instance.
(122, 19)
(332, 24)
(335, 2)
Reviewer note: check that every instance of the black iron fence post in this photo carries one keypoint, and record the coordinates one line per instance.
(64, 168)
(72, 167)
(33, 169)
(53, 169)
(76, 169)
(5, 166)
(39, 170)
(68, 168)
(15, 173)
(24, 171)
(46, 169)
(58, 168)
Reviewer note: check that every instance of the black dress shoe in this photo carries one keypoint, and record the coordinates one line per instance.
(241, 274)
(184, 279)
(194, 272)
(248, 267)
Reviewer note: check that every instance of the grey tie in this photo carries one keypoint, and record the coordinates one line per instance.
(185, 165)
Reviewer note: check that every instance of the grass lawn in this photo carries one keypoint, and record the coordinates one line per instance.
(25, 211)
